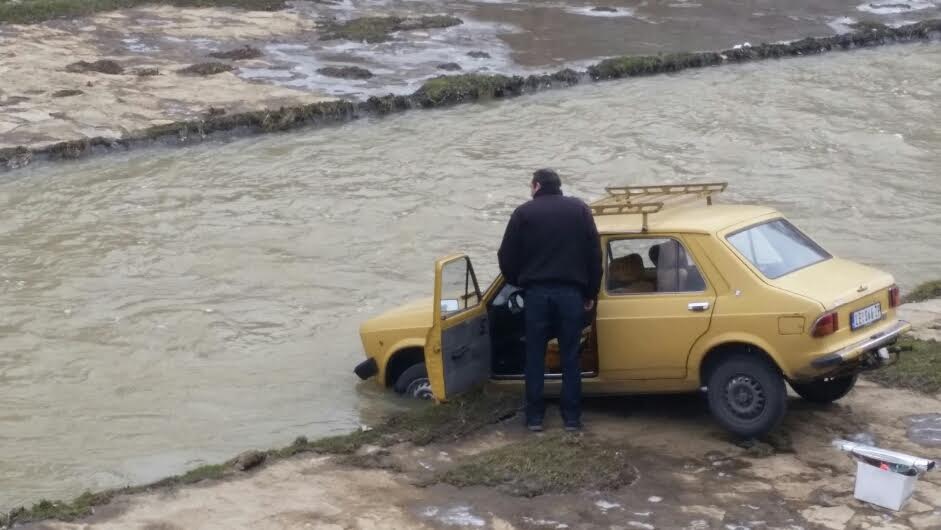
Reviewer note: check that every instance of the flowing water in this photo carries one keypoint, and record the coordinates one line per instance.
(170, 307)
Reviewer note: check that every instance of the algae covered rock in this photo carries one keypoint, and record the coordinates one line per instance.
(447, 90)
(68, 92)
(103, 66)
(245, 52)
(248, 460)
(379, 29)
(204, 69)
(345, 72)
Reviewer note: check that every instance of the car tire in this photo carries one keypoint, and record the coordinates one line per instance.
(825, 390)
(747, 395)
(414, 382)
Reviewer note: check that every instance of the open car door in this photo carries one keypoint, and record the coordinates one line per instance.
(457, 349)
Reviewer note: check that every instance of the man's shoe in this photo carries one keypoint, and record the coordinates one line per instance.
(573, 427)
(534, 427)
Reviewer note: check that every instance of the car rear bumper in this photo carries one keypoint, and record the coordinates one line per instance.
(852, 353)
(366, 369)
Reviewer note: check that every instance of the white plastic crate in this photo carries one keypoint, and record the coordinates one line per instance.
(882, 487)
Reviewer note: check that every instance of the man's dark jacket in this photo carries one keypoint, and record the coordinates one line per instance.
(552, 239)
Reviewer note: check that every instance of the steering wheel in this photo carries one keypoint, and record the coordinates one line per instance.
(515, 302)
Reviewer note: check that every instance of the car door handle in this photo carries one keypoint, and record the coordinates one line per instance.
(698, 306)
(460, 352)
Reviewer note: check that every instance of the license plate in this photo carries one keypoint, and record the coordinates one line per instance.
(865, 316)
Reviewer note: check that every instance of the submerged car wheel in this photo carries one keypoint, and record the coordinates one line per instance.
(825, 390)
(414, 382)
(747, 395)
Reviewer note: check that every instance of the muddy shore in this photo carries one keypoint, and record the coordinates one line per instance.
(644, 462)
(245, 110)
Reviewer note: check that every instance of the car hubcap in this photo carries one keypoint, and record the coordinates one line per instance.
(419, 389)
(745, 397)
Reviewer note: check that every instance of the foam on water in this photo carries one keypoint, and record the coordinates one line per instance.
(842, 25)
(399, 66)
(454, 516)
(890, 7)
(592, 12)
(135, 45)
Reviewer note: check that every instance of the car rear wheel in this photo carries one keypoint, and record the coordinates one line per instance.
(747, 395)
(414, 382)
(825, 390)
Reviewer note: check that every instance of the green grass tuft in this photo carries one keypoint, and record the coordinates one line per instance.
(559, 463)
(918, 367)
(924, 291)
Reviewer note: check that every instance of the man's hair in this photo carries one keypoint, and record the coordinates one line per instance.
(547, 179)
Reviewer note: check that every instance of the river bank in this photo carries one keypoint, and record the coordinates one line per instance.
(158, 74)
(654, 462)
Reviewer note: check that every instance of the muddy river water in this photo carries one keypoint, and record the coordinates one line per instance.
(166, 308)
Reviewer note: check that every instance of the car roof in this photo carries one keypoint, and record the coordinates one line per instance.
(699, 219)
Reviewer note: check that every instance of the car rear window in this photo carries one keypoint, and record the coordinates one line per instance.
(777, 248)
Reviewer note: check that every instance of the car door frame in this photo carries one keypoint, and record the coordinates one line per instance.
(608, 353)
(457, 347)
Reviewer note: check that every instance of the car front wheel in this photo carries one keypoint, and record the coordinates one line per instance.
(414, 382)
(747, 395)
(825, 390)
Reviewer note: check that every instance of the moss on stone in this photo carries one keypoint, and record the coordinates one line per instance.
(205, 69)
(379, 29)
(345, 72)
(448, 90)
(238, 54)
(103, 66)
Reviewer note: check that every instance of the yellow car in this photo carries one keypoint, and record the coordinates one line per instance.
(731, 300)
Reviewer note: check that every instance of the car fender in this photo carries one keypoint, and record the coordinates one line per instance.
(391, 351)
(706, 344)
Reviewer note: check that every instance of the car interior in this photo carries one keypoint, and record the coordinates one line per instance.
(508, 340)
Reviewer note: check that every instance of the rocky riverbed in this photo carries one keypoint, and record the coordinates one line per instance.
(179, 73)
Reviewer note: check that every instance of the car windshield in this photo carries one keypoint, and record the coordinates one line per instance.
(777, 248)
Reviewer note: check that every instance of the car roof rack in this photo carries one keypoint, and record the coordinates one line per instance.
(645, 200)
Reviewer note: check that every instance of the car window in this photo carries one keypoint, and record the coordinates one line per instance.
(459, 289)
(651, 265)
(777, 248)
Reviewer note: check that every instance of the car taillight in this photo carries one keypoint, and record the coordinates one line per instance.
(827, 324)
(894, 297)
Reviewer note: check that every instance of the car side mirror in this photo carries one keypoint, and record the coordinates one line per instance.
(515, 302)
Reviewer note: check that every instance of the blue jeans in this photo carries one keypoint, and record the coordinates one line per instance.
(553, 311)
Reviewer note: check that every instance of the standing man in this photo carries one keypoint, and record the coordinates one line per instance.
(552, 250)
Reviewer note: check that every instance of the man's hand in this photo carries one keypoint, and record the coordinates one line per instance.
(589, 305)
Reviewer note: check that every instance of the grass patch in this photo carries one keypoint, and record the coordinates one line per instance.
(35, 11)
(558, 463)
(925, 291)
(446, 422)
(918, 367)
(380, 29)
